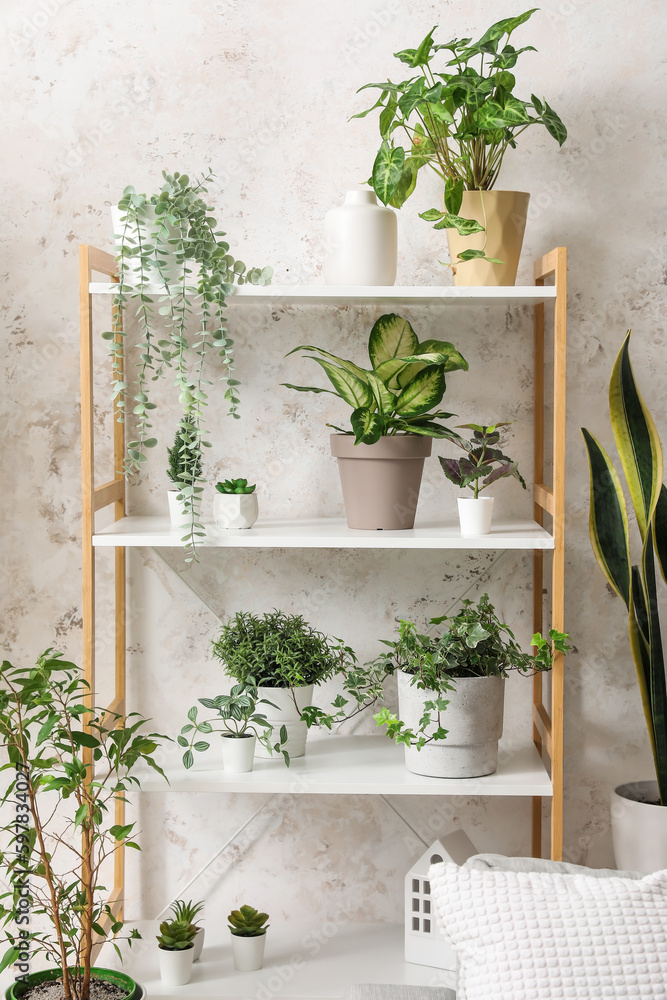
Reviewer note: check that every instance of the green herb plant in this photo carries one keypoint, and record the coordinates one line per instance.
(484, 464)
(640, 451)
(401, 391)
(183, 274)
(176, 935)
(459, 114)
(235, 486)
(238, 715)
(77, 762)
(248, 922)
(475, 643)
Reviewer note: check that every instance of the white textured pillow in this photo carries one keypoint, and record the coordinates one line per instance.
(546, 936)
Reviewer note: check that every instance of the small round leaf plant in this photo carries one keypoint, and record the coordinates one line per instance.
(238, 486)
(176, 935)
(483, 464)
(175, 274)
(459, 114)
(248, 922)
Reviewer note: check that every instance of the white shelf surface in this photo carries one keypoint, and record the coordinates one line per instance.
(319, 959)
(357, 765)
(319, 295)
(324, 533)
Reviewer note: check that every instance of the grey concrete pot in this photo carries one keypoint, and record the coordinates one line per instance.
(473, 719)
(381, 481)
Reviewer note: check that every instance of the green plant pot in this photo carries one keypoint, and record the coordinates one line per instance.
(19, 988)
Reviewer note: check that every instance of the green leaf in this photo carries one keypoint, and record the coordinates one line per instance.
(553, 124)
(391, 337)
(367, 426)
(387, 171)
(406, 184)
(465, 227)
(85, 739)
(660, 531)
(608, 521)
(453, 195)
(423, 393)
(350, 388)
(9, 957)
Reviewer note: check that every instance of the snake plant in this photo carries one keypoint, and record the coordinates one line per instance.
(640, 452)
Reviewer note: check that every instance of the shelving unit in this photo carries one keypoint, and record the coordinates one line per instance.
(358, 765)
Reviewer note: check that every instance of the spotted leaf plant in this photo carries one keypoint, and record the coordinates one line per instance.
(175, 275)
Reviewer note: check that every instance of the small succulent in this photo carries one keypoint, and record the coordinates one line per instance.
(176, 935)
(247, 922)
(235, 486)
(186, 912)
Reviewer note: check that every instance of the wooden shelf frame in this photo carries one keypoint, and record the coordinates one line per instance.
(547, 721)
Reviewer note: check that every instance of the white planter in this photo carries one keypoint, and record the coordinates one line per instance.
(248, 952)
(475, 515)
(473, 720)
(235, 510)
(198, 944)
(238, 753)
(362, 240)
(287, 714)
(176, 966)
(172, 271)
(177, 512)
(639, 827)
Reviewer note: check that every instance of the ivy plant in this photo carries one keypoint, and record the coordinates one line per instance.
(401, 390)
(484, 464)
(459, 114)
(175, 274)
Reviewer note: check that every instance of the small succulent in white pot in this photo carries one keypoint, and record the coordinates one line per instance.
(248, 929)
(235, 504)
(187, 912)
(176, 950)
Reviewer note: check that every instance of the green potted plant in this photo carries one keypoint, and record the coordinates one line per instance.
(235, 504)
(458, 111)
(240, 729)
(483, 465)
(639, 813)
(285, 657)
(184, 471)
(176, 948)
(187, 912)
(174, 267)
(451, 689)
(248, 929)
(394, 418)
(53, 739)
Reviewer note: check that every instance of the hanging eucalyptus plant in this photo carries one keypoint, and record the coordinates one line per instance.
(175, 274)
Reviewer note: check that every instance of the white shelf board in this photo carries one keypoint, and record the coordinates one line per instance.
(324, 533)
(358, 765)
(316, 959)
(318, 295)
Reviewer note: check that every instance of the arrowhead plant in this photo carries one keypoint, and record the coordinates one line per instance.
(401, 390)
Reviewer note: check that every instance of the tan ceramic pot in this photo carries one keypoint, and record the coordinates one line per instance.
(381, 481)
(503, 214)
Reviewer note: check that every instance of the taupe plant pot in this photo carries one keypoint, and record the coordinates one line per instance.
(381, 481)
(503, 214)
(473, 720)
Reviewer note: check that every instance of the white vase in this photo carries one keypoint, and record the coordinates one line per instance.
(473, 720)
(177, 511)
(362, 242)
(132, 233)
(248, 952)
(176, 966)
(235, 510)
(288, 714)
(475, 516)
(238, 752)
(639, 827)
(198, 944)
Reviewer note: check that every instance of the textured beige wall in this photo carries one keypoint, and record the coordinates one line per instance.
(96, 96)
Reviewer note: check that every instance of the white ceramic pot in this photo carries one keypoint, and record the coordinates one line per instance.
(248, 952)
(639, 827)
(198, 944)
(473, 720)
(235, 510)
(172, 272)
(177, 512)
(238, 752)
(287, 714)
(362, 240)
(475, 516)
(176, 966)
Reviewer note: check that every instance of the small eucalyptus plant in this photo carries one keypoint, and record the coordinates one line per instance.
(184, 469)
(175, 275)
(484, 464)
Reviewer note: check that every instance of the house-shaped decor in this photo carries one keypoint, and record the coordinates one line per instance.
(424, 940)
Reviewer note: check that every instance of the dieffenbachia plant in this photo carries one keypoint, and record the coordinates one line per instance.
(640, 452)
(484, 464)
(181, 271)
(458, 121)
(402, 389)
